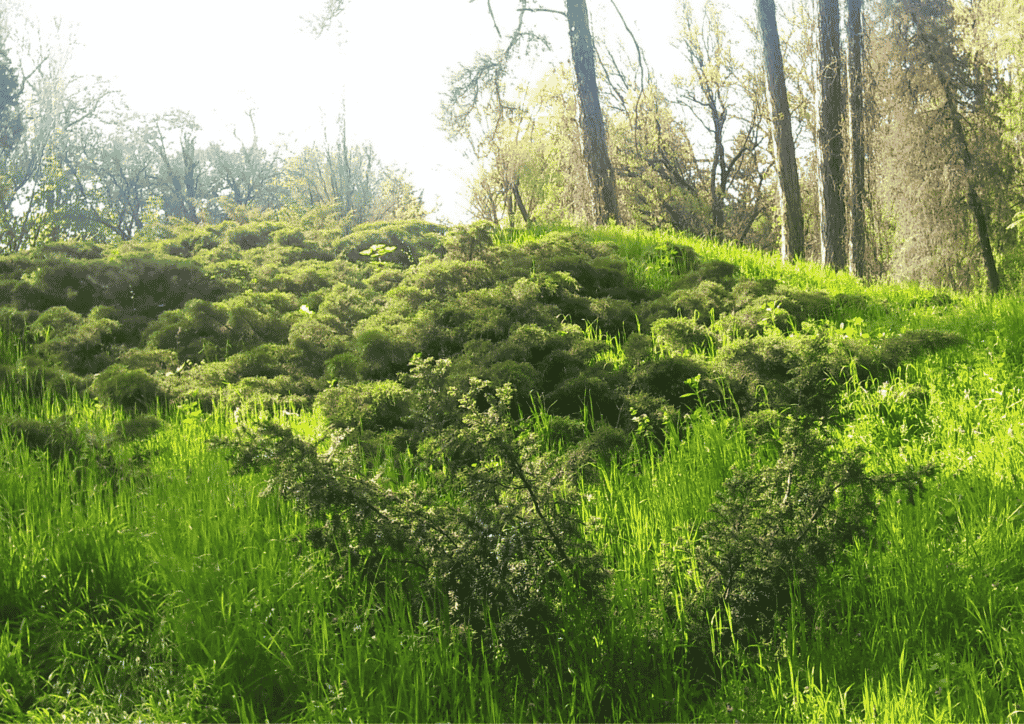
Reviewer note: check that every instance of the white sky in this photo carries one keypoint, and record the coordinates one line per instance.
(387, 66)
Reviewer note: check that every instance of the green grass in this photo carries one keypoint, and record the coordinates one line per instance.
(187, 595)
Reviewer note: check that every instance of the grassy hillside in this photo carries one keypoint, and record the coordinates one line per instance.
(416, 473)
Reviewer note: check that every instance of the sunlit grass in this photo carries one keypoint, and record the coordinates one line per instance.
(186, 594)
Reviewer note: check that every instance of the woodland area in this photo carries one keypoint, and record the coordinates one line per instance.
(898, 123)
(635, 445)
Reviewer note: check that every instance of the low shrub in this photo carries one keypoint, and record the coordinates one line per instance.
(776, 528)
(377, 405)
(132, 390)
(502, 553)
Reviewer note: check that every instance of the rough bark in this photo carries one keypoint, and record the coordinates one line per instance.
(595, 144)
(790, 208)
(829, 137)
(856, 226)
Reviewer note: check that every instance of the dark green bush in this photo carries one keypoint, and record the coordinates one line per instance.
(382, 354)
(316, 342)
(503, 552)
(469, 242)
(267, 360)
(289, 237)
(378, 405)
(681, 381)
(57, 437)
(199, 332)
(79, 345)
(397, 242)
(130, 390)
(682, 335)
(776, 528)
(252, 235)
(799, 373)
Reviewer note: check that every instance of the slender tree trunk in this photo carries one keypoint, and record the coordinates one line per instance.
(856, 226)
(790, 208)
(829, 137)
(974, 202)
(595, 142)
(519, 202)
(718, 172)
(981, 221)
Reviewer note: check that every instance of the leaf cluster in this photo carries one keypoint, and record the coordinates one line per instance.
(775, 529)
(495, 545)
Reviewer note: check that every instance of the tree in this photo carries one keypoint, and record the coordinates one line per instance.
(791, 212)
(595, 144)
(855, 226)
(250, 174)
(11, 124)
(349, 182)
(471, 84)
(183, 173)
(938, 163)
(710, 92)
(829, 137)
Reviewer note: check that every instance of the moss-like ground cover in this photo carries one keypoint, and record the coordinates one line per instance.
(666, 398)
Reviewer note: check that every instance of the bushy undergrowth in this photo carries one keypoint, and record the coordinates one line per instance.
(491, 542)
(496, 480)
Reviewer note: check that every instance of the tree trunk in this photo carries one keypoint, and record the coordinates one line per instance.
(981, 221)
(829, 137)
(856, 226)
(973, 200)
(595, 143)
(790, 208)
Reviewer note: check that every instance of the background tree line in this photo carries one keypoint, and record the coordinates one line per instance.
(882, 136)
(77, 164)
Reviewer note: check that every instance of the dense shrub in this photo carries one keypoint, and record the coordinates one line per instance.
(79, 345)
(502, 551)
(316, 343)
(396, 242)
(381, 353)
(252, 235)
(683, 382)
(198, 332)
(377, 405)
(132, 390)
(776, 528)
(682, 335)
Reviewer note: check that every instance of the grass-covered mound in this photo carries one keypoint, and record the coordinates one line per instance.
(576, 475)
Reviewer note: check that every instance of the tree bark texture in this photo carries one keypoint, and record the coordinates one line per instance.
(829, 137)
(856, 226)
(790, 207)
(595, 142)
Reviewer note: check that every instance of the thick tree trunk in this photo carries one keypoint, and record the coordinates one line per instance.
(829, 137)
(595, 143)
(790, 208)
(856, 226)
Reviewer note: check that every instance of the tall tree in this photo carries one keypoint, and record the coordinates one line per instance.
(791, 211)
(727, 100)
(595, 139)
(855, 226)
(829, 137)
(936, 153)
(11, 124)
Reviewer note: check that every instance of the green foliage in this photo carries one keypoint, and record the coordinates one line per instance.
(79, 345)
(131, 390)
(372, 405)
(776, 529)
(407, 241)
(498, 553)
